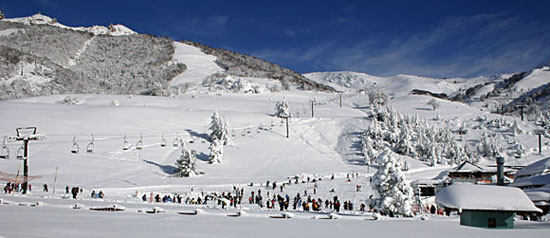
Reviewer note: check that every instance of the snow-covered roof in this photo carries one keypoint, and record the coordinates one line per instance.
(485, 197)
(538, 168)
(539, 194)
(430, 182)
(468, 167)
(540, 180)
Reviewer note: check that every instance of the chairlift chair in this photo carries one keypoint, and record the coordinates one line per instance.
(20, 151)
(76, 148)
(125, 145)
(90, 148)
(139, 144)
(163, 141)
(176, 141)
(5, 150)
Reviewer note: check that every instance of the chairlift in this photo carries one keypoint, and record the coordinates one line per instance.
(20, 151)
(5, 150)
(90, 148)
(76, 148)
(139, 144)
(163, 141)
(175, 143)
(125, 145)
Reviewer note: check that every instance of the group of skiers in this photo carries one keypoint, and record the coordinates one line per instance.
(14, 187)
(306, 204)
(97, 195)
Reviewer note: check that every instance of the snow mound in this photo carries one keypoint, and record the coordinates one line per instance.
(39, 19)
(482, 197)
(70, 100)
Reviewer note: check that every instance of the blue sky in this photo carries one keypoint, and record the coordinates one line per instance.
(429, 38)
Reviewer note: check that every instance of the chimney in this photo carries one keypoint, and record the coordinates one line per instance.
(500, 171)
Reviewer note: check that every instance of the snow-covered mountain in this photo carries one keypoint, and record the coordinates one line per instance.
(495, 93)
(41, 56)
(39, 19)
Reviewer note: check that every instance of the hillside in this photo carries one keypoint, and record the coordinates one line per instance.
(41, 56)
(494, 93)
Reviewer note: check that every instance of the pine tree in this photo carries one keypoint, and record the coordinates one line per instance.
(2, 15)
(186, 164)
(282, 110)
(390, 183)
(216, 151)
(219, 128)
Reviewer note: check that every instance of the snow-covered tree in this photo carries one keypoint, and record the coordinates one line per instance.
(1, 15)
(520, 151)
(463, 129)
(434, 103)
(282, 110)
(389, 181)
(515, 129)
(378, 97)
(219, 128)
(186, 164)
(216, 151)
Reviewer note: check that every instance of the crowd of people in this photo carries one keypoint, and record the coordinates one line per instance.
(272, 197)
(12, 187)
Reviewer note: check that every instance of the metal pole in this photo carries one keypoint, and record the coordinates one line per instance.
(540, 144)
(287, 135)
(26, 166)
(55, 180)
(340, 95)
(312, 108)
(521, 113)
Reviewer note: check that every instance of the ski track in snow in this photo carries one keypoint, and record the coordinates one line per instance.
(74, 60)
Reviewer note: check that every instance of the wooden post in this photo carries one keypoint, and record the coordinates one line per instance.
(340, 95)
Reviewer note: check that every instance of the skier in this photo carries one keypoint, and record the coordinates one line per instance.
(74, 191)
(45, 188)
